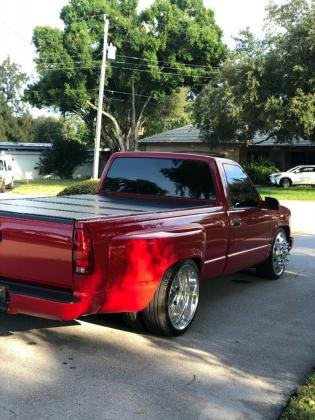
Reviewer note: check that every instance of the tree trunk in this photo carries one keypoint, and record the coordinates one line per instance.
(129, 140)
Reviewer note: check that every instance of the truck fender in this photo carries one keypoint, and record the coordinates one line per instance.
(138, 261)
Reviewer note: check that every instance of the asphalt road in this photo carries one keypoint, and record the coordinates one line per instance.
(251, 344)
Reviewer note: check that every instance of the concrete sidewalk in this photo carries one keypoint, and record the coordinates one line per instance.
(302, 216)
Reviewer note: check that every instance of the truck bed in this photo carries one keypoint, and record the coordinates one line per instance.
(86, 207)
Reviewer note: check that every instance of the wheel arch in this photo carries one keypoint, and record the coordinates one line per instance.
(287, 231)
(139, 260)
(285, 178)
(197, 261)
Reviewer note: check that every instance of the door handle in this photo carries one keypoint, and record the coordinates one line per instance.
(236, 222)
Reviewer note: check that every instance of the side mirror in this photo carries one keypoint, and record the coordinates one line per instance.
(9, 168)
(272, 203)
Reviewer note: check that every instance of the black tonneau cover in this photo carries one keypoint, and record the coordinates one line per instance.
(86, 207)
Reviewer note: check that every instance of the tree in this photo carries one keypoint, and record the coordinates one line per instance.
(12, 82)
(175, 111)
(173, 43)
(69, 145)
(15, 120)
(46, 129)
(265, 86)
(64, 156)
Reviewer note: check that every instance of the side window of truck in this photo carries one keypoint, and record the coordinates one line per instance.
(1, 165)
(242, 191)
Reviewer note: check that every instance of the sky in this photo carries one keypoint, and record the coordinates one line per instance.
(18, 18)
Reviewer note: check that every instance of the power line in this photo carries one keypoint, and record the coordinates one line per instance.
(163, 72)
(126, 93)
(145, 66)
(150, 62)
(109, 91)
(134, 69)
(163, 62)
(14, 31)
(140, 67)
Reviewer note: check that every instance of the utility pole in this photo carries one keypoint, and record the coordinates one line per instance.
(100, 103)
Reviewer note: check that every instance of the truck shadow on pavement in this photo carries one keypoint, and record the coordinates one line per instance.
(10, 324)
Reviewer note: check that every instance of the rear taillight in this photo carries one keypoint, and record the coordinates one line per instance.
(83, 252)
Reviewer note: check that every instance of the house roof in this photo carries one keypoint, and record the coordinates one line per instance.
(12, 145)
(191, 134)
(185, 134)
(258, 140)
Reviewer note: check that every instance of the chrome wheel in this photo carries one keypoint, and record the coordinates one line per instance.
(183, 296)
(280, 253)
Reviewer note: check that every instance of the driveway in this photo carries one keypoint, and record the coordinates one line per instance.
(251, 344)
(302, 215)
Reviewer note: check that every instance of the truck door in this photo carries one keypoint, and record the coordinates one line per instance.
(249, 224)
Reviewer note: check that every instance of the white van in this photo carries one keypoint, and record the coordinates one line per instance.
(6, 172)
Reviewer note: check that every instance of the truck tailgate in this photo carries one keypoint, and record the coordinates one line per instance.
(36, 251)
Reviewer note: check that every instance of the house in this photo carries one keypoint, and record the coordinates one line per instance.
(187, 139)
(284, 155)
(26, 157)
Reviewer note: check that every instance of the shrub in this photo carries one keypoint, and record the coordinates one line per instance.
(260, 170)
(84, 187)
(63, 157)
(302, 406)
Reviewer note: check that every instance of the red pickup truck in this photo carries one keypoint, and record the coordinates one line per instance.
(158, 224)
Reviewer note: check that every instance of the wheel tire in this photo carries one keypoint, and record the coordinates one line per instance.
(11, 185)
(174, 304)
(2, 186)
(272, 268)
(134, 320)
(285, 183)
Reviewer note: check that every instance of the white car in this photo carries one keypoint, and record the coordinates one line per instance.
(299, 175)
(6, 172)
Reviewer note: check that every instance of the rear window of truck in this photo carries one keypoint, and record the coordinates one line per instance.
(180, 178)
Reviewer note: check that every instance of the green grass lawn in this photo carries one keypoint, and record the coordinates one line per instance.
(54, 186)
(302, 406)
(43, 186)
(292, 193)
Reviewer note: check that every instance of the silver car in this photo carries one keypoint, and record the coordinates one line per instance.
(299, 175)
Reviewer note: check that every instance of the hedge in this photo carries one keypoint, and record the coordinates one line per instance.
(84, 187)
(260, 170)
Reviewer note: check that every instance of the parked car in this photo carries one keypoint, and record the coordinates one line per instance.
(6, 172)
(158, 224)
(299, 175)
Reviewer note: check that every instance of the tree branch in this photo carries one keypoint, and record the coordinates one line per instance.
(118, 131)
(262, 141)
(139, 120)
(143, 108)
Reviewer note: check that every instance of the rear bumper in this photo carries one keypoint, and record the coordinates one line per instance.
(46, 302)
